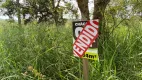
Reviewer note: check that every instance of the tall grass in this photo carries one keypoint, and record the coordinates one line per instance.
(43, 51)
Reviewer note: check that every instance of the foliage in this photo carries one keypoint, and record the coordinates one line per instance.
(44, 51)
(45, 10)
(34, 50)
(10, 6)
(42, 10)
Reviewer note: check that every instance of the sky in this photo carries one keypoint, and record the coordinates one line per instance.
(72, 1)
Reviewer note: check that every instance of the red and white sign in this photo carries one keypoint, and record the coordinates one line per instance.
(86, 38)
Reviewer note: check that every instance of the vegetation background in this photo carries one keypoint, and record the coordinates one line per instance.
(39, 47)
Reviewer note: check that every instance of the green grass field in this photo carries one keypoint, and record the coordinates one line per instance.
(44, 52)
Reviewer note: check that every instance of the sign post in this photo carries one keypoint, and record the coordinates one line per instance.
(85, 34)
(85, 69)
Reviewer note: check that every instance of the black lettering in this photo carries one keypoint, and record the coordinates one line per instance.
(90, 56)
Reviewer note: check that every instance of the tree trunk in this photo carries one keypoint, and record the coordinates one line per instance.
(18, 12)
(83, 6)
(99, 10)
(55, 12)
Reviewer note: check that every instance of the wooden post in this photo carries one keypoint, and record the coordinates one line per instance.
(83, 6)
(85, 61)
(85, 69)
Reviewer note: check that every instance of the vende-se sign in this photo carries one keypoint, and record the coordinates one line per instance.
(84, 37)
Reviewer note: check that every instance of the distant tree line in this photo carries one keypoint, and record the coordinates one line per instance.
(53, 11)
(40, 10)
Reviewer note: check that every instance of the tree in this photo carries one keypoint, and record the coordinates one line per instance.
(10, 7)
(44, 10)
(40, 10)
(18, 12)
(83, 6)
(99, 8)
(137, 7)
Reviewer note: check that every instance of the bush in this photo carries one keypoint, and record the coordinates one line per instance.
(43, 51)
